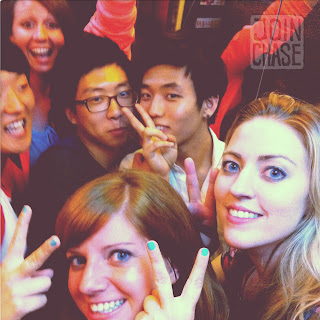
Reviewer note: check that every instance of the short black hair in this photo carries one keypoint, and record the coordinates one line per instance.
(13, 59)
(185, 49)
(89, 52)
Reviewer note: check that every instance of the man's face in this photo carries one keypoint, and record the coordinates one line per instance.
(169, 97)
(17, 104)
(107, 129)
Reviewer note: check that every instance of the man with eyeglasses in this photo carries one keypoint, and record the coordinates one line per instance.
(94, 88)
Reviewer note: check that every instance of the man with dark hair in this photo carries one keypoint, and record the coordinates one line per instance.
(181, 85)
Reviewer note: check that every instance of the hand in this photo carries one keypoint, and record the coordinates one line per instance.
(159, 150)
(205, 212)
(22, 285)
(162, 305)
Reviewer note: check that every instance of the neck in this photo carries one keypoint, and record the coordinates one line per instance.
(264, 258)
(108, 158)
(4, 158)
(39, 83)
(199, 148)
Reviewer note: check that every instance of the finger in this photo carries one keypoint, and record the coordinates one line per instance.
(136, 124)
(151, 305)
(38, 257)
(18, 243)
(192, 289)
(192, 181)
(145, 116)
(43, 273)
(143, 316)
(149, 150)
(161, 275)
(32, 303)
(171, 138)
(150, 133)
(155, 293)
(32, 286)
(210, 198)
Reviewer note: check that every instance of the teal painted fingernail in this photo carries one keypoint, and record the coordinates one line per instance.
(205, 252)
(151, 245)
(53, 243)
(25, 209)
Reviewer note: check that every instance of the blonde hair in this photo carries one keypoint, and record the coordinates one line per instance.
(294, 287)
(157, 212)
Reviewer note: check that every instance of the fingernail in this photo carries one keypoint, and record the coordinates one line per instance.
(53, 242)
(205, 252)
(25, 209)
(151, 245)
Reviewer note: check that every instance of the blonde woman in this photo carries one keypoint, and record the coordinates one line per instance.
(268, 200)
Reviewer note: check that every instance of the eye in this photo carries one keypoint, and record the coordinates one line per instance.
(76, 262)
(23, 87)
(145, 96)
(119, 256)
(27, 24)
(52, 25)
(274, 174)
(230, 166)
(96, 100)
(125, 94)
(173, 96)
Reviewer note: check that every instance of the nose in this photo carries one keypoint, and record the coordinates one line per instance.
(114, 110)
(243, 185)
(12, 103)
(41, 32)
(157, 106)
(94, 279)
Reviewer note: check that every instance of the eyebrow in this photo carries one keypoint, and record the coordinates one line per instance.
(172, 85)
(262, 157)
(104, 248)
(98, 89)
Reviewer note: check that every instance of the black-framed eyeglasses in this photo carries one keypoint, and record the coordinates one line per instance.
(94, 104)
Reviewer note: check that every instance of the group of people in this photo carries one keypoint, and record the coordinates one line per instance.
(137, 186)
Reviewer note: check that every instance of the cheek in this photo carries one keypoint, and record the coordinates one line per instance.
(73, 283)
(58, 39)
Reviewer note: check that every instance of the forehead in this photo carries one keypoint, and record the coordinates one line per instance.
(162, 75)
(116, 230)
(108, 73)
(111, 74)
(265, 136)
(9, 78)
(26, 7)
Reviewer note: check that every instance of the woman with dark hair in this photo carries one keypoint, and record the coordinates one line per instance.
(103, 229)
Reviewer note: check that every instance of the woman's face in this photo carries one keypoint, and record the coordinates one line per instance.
(37, 33)
(110, 273)
(263, 184)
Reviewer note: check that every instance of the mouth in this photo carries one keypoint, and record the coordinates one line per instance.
(162, 128)
(106, 307)
(16, 128)
(41, 52)
(243, 214)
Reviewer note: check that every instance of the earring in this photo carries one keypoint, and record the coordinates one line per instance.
(207, 116)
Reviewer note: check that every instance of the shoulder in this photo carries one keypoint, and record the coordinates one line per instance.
(127, 161)
(218, 148)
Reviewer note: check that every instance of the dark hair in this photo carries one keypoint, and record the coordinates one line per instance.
(88, 52)
(13, 59)
(183, 49)
(156, 211)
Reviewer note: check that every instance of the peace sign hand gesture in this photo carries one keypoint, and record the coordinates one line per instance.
(159, 150)
(21, 283)
(162, 305)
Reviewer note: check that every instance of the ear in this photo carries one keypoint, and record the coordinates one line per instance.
(12, 39)
(209, 106)
(71, 116)
(173, 272)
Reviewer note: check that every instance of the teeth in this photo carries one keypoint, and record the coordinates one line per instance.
(243, 214)
(15, 127)
(106, 307)
(160, 127)
(41, 51)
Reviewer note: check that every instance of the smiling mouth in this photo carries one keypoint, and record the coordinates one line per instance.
(243, 214)
(106, 307)
(41, 52)
(16, 127)
(162, 128)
